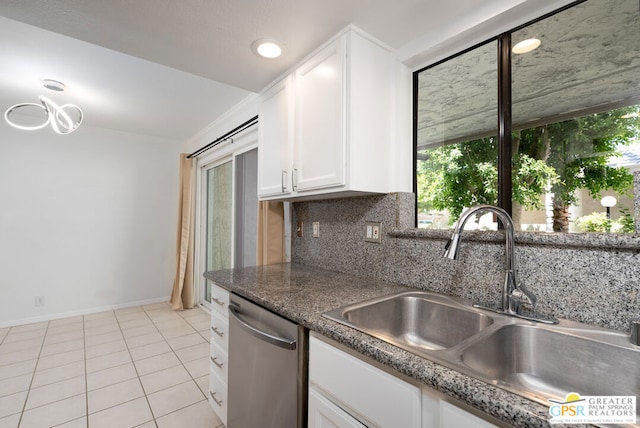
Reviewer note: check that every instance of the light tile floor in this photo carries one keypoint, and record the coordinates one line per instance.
(145, 366)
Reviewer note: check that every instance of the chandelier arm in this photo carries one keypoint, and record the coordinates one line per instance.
(61, 122)
(23, 127)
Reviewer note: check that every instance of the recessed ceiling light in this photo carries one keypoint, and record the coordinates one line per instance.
(526, 46)
(54, 85)
(267, 48)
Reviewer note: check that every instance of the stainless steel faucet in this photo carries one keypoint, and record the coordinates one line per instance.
(512, 294)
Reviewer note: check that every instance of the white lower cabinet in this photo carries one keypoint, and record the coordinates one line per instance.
(219, 351)
(347, 392)
(325, 414)
(452, 416)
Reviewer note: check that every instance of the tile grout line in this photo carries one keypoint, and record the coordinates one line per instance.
(48, 329)
(35, 369)
(181, 363)
(86, 375)
(146, 397)
(174, 353)
(190, 375)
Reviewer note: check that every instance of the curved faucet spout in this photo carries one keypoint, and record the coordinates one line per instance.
(512, 294)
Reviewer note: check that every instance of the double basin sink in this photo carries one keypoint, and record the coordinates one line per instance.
(534, 360)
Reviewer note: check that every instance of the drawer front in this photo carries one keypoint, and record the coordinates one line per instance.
(219, 361)
(219, 299)
(220, 330)
(452, 416)
(325, 414)
(218, 396)
(370, 394)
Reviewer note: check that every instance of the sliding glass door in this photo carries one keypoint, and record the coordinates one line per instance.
(219, 219)
(227, 213)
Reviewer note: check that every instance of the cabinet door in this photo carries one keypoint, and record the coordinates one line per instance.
(452, 417)
(378, 397)
(275, 139)
(320, 125)
(324, 414)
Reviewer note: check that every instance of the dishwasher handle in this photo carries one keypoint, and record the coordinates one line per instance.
(280, 342)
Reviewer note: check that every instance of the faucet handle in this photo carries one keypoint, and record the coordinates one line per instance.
(523, 295)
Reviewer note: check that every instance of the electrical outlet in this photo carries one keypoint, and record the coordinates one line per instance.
(316, 229)
(38, 301)
(373, 232)
(376, 233)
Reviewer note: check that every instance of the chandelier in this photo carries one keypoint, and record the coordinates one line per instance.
(63, 119)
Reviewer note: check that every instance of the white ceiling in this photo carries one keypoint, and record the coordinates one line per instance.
(169, 68)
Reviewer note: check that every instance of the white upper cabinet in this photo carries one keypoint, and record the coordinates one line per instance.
(331, 120)
(320, 120)
(275, 125)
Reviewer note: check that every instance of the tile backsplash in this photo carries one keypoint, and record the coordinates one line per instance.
(593, 279)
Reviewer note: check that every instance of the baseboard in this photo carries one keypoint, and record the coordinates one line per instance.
(69, 314)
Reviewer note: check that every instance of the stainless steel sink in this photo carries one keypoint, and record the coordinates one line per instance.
(537, 361)
(416, 321)
(550, 364)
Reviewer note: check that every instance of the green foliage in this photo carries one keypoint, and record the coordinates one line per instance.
(598, 222)
(565, 156)
(627, 223)
(594, 222)
(531, 178)
(580, 148)
(457, 176)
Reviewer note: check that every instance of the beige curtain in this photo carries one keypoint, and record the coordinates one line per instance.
(182, 295)
(271, 245)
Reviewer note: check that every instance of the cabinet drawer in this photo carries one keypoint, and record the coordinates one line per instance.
(220, 329)
(452, 416)
(218, 396)
(219, 361)
(219, 299)
(324, 414)
(367, 392)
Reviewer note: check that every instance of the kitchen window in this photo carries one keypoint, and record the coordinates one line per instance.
(550, 131)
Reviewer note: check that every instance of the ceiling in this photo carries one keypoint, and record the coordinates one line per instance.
(588, 62)
(169, 68)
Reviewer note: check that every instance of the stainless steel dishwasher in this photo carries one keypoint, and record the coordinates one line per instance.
(267, 368)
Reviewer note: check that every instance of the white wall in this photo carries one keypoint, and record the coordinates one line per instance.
(87, 220)
(237, 115)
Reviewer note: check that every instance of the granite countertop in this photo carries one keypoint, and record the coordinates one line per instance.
(302, 293)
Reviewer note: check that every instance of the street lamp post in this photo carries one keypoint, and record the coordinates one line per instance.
(608, 202)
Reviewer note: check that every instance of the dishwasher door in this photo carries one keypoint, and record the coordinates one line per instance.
(267, 368)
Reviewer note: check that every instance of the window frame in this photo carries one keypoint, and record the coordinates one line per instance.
(504, 162)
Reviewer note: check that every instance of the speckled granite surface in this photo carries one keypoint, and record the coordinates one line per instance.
(589, 278)
(302, 293)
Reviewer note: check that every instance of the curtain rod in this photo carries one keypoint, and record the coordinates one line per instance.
(226, 136)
